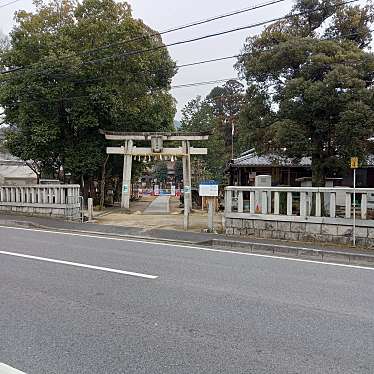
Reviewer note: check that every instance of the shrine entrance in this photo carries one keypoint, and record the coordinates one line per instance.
(158, 151)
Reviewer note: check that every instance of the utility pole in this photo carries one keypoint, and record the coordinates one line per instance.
(354, 207)
(232, 139)
(354, 166)
(232, 121)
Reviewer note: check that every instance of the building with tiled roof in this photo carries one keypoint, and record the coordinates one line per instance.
(13, 171)
(288, 172)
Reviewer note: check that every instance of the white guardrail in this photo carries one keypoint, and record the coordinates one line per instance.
(300, 201)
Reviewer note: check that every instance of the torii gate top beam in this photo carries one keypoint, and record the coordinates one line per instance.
(129, 150)
(181, 136)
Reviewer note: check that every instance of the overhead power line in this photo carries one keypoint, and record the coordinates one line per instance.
(208, 61)
(168, 31)
(188, 25)
(201, 62)
(104, 77)
(203, 83)
(217, 59)
(10, 3)
(186, 85)
(195, 63)
(208, 36)
(141, 51)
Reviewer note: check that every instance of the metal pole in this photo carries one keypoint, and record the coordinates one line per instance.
(232, 140)
(354, 208)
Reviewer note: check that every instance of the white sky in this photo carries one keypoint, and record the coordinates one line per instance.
(164, 14)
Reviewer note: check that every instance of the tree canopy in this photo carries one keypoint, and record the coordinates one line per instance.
(310, 86)
(71, 69)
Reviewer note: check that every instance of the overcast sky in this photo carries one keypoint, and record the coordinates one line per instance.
(164, 14)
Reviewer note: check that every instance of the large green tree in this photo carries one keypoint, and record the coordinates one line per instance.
(310, 86)
(69, 70)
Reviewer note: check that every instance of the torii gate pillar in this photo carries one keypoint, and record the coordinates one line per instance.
(186, 160)
(126, 179)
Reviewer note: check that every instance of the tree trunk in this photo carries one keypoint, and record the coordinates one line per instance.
(318, 180)
(102, 185)
(317, 176)
(317, 172)
(36, 171)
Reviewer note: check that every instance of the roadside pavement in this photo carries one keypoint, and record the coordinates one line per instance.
(161, 212)
(143, 232)
(173, 221)
(311, 251)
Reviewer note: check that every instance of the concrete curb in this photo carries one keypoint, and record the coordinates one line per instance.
(323, 255)
(30, 225)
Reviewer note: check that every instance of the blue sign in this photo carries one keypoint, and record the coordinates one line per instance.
(209, 183)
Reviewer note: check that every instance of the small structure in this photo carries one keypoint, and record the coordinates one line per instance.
(16, 173)
(13, 171)
(156, 151)
(286, 172)
(244, 169)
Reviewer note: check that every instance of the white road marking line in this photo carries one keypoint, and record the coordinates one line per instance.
(195, 247)
(6, 369)
(79, 265)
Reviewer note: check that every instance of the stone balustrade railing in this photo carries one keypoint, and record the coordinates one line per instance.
(52, 200)
(300, 201)
(303, 213)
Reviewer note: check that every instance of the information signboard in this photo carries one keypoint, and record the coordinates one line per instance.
(208, 189)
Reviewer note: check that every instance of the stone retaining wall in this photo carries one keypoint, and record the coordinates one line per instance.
(301, 231)
(49, 211)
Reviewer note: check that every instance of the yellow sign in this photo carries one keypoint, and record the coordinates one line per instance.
(354, 162)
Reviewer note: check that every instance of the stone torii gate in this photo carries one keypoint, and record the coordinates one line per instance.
(156, 139)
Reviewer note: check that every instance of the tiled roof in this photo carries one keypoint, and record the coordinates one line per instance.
(12, 170)
(252, 159)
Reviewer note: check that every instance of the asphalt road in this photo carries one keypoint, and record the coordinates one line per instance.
(199, 311)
